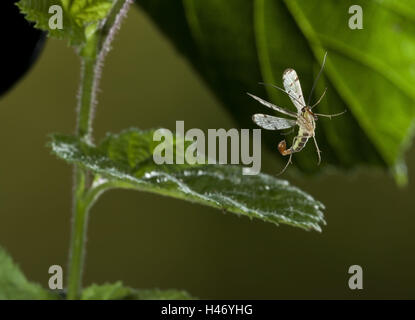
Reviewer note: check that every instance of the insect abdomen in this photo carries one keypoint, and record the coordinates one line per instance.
(298, 144)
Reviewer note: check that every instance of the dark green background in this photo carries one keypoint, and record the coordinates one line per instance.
(149, 241)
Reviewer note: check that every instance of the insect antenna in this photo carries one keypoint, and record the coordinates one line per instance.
(276, 87)
(315, 81)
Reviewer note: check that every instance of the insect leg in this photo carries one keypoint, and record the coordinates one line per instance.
(330, 115)
(319, 100)
(286, 166)
(318, 150)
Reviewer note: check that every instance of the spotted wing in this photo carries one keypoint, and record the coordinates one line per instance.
(272, 123)
(293, 88)
(273, 106)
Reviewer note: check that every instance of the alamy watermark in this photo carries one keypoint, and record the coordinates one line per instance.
(356, 280)
(217, 143)
(56, 280)
(56, 20)
(356, 20)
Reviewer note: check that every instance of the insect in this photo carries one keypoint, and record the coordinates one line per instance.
(305, 118)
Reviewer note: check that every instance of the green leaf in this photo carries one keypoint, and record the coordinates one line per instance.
(108, 291)
(117, 291)
(237, 43)
(78, 17)
(125, 160)
(157, 294)
(14, 285)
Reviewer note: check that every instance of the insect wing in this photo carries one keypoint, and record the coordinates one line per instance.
(273, 106)
(272, 123)
(293, 87)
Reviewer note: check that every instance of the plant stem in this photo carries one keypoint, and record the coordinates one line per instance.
(87, 98)
(86, 101)
(84, 198)
(79, 227)
(80, 207)
(83, 195)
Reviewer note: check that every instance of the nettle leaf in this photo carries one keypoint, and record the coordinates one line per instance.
(78, 17)
(87, 11)
(117, 291)
(107, 291)
(370, 72)
(14, 285)
(157, 294)
(125, 160)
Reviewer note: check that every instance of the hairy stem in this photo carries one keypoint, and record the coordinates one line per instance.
(84, 195)
(78, 236)
(86, 103)
(81, 205)
(87, 96)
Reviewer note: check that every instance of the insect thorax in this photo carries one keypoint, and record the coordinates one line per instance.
(306, 122)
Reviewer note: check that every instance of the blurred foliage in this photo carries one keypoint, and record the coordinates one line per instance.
(13, 284)
(126, 161)
(235, 44)
(116, 291)
(78, 17)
